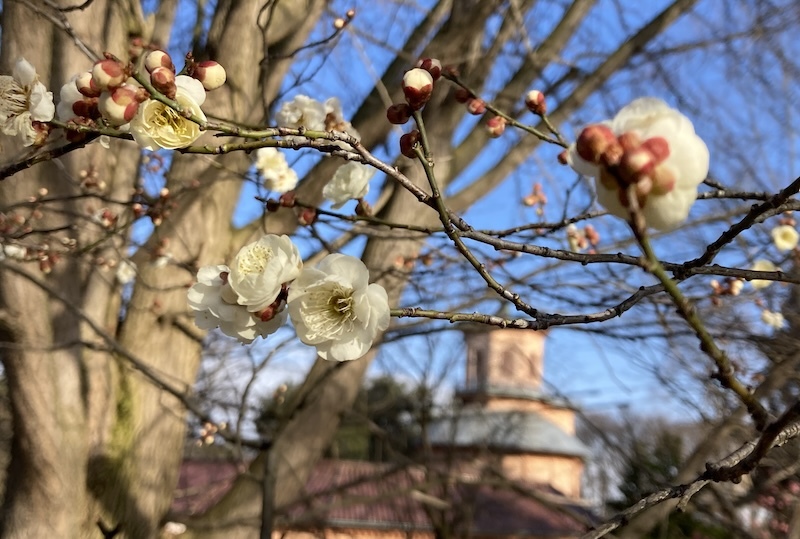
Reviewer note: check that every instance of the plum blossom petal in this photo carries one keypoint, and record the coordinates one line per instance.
(652, 146)
(215, 306)
(24, 100)
(272, 166)
(785, 237)
(335, 309)
(350, 181)
(158, 126)
(262, 268)
(773, 319)
(762, 265)
(302, 111)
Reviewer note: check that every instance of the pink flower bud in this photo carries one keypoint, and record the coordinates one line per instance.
(399, 113)
(408, 142)
(86, 85)
(496, 125)
(120, 106)
(536, 103)
(156, 59)
(476, 106)
(658, 147)
(432, 66)
(163, 80)
(211, 74)
(629, 141)
(593, 141)
(663, 180)
(417, 87)
(636, 165)
(307, 216)
(108, 74)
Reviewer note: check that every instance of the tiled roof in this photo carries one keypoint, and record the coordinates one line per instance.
(526, 432)
(365, 495)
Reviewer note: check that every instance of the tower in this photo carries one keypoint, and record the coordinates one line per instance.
(507, 419)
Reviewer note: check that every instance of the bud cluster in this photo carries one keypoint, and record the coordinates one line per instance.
(536, 198)
(627, 160)
(581, 240)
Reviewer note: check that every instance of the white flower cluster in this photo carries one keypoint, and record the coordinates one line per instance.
(333, 307)
(24, 104)
(653, 148)
(350, 181)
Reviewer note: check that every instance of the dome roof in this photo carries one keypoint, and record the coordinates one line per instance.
(510, 431)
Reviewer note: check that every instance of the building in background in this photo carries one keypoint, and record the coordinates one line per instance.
(503, 463)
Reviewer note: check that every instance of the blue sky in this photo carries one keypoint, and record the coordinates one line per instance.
(716, 93)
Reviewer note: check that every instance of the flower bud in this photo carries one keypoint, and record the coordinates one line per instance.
(636, 165)
(496, 125)
(536, 103)
(86, 108)
(629, 141)
(163, 80)
(156, 59)
(120, 106)
(563, 158)
(211, 74)
(339, 23)
(86, 85)
(593, 142)
(462, 95)
(408, 142)
(288, 199)
(658, 147)
(399, 113)
(135, 48)
(417, 87)
(476, 106)
(307, 216)
(432, 66)
(108, 74)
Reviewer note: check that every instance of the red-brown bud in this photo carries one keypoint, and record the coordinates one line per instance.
(156, 59)
(307, 216)
(658, 147)
(432, 66)
(462, 95)
(408, 142)
(211, 74)
(108, 74)
(417, 87)
(288, 199)
(593, 141)
(399, 113)
(163, 80)
(476, 106)
(536, 103)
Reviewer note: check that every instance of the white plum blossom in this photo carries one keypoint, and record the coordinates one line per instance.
(68, 96)
(334, 120)
(350, 181)
(272, 166)
(23, 101)
(773, 319)
(215, 305)
(335, 309)
(126, 272)
(159, 126)
(762, 265)
(14, 252)
(302, 111)
(785, 237)
(648, 145)
(261, 268)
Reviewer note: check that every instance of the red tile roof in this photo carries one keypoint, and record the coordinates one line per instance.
(366, 495)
